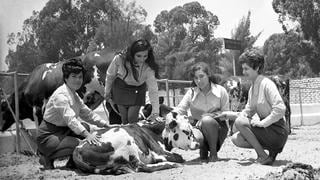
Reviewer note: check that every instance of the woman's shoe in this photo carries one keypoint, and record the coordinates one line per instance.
(266, 161)
(213, 159)
(204, 154)
(70, 164)
(46, 162)
(273, 155)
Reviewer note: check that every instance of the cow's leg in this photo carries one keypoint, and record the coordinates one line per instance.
(157, 167)
(174, 157)
(35, 117)
(39, 114)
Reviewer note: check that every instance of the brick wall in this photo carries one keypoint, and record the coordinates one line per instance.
(309, 91)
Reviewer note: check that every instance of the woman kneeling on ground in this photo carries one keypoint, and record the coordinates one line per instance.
(205, 100)
(269, 131)
(61, 130)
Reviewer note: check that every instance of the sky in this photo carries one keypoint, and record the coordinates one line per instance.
(229, 12)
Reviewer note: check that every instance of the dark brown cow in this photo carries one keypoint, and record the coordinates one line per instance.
(46, 78)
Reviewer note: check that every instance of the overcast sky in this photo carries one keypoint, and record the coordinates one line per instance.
(229, 12)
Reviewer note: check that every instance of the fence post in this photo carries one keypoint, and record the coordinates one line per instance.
(300, 102)
(167, 92)
(15, 78)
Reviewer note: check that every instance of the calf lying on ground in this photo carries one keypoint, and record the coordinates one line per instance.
(179, 133)
(126, 149)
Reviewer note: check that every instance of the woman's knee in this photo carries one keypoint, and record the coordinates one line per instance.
(209, 122)
(234, 139)
(241, 122)
(238, 140)
(69, 142)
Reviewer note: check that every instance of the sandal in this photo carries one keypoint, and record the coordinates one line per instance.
(273, 155)
(267, 161)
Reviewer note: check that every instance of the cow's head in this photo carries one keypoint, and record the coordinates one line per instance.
(93, 99)
(237, 89)
(179, 133)
(101, 59)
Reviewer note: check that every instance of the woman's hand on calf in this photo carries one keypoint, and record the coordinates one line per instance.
(92, 138)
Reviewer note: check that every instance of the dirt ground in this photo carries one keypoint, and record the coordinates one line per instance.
(302, 146)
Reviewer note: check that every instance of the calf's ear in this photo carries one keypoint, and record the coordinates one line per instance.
(168, 144)
(173, 124)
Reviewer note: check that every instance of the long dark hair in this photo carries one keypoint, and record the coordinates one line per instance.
(137, 46)
(205, 68)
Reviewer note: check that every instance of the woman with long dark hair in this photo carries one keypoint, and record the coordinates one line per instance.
(129, 76)
(204, 100)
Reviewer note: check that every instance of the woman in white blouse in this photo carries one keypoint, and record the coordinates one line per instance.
(129, 76)
(269, 130)
(205, 100)
(61, 129)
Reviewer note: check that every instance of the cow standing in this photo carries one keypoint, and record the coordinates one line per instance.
(41, 83)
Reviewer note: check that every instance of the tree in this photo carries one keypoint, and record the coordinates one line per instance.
(27, 54)
(185, 33)
(65, 29)
(302, 16)
(243, 34)
(288, 54)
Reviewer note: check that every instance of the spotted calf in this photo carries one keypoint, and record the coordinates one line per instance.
(126, 149)
(179, 133)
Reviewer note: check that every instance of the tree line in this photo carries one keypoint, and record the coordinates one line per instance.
(181, 36)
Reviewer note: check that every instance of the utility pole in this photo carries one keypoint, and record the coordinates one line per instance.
(233, 45)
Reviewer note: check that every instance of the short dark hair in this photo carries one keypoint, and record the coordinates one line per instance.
(205, 68)
(72, 66)
(253, 58)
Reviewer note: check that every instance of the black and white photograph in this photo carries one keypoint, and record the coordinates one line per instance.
(160, 89)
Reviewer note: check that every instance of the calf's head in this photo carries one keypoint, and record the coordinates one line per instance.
(179, 133)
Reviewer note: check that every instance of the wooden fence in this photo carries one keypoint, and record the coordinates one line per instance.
(16, 113)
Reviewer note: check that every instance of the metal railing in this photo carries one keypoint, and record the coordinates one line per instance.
(167, 82)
